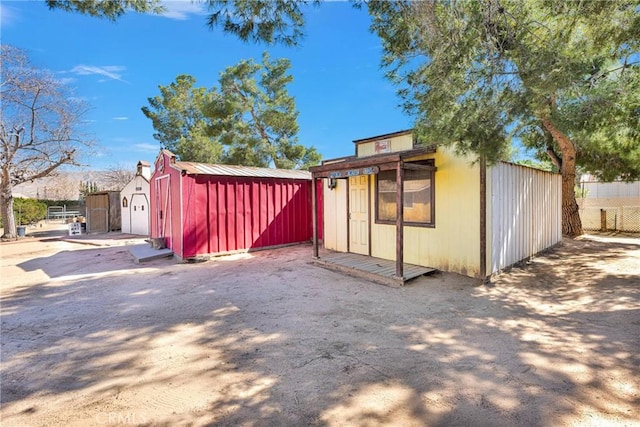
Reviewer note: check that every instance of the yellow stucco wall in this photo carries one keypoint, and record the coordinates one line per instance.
(335, 215)
(398, 143)
(454, 243)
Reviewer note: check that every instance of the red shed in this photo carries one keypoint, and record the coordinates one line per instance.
(203, 209)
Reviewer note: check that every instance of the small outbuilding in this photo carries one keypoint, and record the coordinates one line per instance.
(206, 209)
(103, 212)
(135, 201)
(401, 200)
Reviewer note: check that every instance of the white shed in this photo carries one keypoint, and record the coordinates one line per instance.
(134, 200)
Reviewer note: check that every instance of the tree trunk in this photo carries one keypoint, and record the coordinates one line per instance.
(571, 223)
(6, 208)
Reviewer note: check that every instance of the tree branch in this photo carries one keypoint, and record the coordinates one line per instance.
(256, 120)
(32, 128)
(555, 159)
(622, 67)
(67, 158)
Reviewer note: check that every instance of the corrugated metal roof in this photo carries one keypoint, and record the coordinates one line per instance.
(192, 168)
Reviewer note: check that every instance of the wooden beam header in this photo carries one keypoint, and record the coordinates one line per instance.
(368, 165)
(370, 170)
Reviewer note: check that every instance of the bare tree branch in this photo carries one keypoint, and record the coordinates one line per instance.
(44, 121)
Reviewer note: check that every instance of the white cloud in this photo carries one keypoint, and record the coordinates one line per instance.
(121, 118)
(113, 72)
(182, 9)
(66, 80)
(8, 15)
(147, 147)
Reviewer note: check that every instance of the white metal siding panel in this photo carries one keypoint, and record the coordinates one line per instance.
(525, 213)
(603, 190)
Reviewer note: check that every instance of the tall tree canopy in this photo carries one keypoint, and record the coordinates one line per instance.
(181, 126)
(250, 119)
(561, 76)
(110, 9)
(270, 21)
(40, 129)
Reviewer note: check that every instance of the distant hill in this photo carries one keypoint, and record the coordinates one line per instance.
(63, 186)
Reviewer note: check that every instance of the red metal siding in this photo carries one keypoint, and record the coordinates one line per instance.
(176, 239)
(208, 214)
(187, 203)
(166, 215)
(153, 194)
(224, 214)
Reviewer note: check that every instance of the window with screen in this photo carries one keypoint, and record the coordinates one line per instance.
(418, 197)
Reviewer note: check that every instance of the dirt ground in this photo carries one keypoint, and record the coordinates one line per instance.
(90, 338)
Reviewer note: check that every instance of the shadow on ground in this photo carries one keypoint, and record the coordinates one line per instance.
(268, 339)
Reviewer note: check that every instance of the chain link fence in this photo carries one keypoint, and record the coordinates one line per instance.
(621, 218)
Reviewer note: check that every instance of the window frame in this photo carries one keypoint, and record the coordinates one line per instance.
(432, 176)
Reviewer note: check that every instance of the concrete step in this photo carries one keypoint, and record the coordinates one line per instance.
(144, 252)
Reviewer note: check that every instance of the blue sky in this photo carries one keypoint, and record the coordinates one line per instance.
(340, 90)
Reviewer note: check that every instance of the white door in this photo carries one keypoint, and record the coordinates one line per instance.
(359, 214)
(139, 212)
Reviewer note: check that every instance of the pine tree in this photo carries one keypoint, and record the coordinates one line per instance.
(563, 77)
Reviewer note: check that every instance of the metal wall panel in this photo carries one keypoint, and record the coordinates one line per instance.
(603, 190)
(525, 213)
(166, 202)
(227, 214)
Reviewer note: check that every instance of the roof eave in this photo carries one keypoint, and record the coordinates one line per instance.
(374, 160)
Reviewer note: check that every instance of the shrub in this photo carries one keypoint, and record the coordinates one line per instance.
(28, 211)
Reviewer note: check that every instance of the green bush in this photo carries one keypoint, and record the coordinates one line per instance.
(68, 203)
(29, 211)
